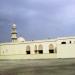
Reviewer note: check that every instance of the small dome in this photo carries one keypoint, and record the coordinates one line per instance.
(14, 25)
(21, 39)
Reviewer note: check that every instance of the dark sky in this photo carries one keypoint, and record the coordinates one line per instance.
(37, 19)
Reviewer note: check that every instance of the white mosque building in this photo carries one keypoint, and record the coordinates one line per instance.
(20, 48)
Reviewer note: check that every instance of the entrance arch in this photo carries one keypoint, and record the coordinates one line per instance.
(40, 49)
(28, 50)
(51, 48)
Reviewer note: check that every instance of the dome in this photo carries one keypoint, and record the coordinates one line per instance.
(14, 25)
(21, 39)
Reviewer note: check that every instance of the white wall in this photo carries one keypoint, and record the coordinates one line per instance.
(14, 50)
(66, 51)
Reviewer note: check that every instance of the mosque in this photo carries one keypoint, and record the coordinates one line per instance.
(20, 48)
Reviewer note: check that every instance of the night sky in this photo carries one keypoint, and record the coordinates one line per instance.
(37, 19)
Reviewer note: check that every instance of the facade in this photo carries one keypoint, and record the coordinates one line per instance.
(19, 48)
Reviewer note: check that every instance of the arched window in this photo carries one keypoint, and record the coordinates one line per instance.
(28, 50)
(35, 49)
(40, 49)
(51, 48)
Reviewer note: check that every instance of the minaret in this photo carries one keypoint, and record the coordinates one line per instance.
(14, 33)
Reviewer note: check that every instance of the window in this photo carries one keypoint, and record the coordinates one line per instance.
(51, 48)
(40, 49)
(51, 51)
(36, 51)
(28, 50)
(63, 42)
(70, 42)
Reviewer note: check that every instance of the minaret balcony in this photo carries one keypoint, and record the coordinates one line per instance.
(14, 32)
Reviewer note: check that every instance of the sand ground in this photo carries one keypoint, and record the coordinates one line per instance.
(38, 67)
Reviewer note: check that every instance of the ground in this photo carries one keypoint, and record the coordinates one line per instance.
(38, 67)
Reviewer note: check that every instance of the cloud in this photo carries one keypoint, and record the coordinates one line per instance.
(37, 19)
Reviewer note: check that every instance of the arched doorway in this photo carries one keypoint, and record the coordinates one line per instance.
(40, 49)
(51, 48)
(28, 50)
